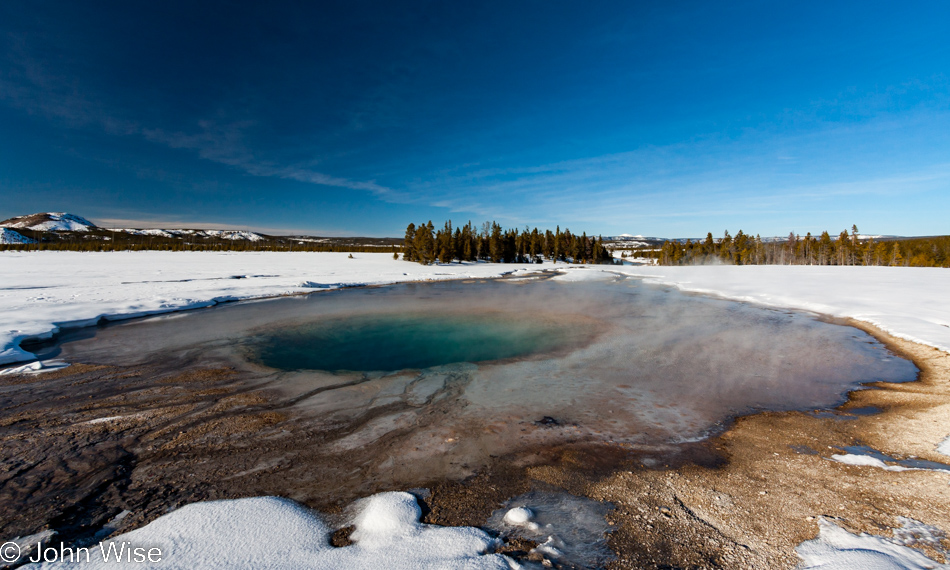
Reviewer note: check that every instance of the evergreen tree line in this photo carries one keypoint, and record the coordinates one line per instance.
(424, 244)
(847, 249)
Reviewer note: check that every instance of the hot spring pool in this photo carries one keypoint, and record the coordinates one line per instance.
(420, 381)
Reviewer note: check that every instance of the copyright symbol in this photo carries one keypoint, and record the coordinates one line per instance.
(9, 552)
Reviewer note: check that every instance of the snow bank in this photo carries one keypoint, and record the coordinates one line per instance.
(908, 302)
(838, 549)
(43, 291)
(267, 533)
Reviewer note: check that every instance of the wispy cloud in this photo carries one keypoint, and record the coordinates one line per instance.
(759, 173)
(28, 85)
(226, 144)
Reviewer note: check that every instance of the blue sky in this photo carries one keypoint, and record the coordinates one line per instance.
(355, 118)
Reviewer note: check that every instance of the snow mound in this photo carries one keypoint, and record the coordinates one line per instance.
(518, 516)
(10, 236)
(50, 222)
(836, 548)
(267, 533)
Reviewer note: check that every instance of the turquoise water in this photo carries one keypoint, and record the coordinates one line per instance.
(390, 342)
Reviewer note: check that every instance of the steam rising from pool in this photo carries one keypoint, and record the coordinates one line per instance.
(416, 382)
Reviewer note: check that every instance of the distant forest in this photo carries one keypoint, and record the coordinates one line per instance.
(846, 249)
(424, 244)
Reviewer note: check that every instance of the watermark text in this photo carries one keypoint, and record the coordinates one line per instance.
(110, 551)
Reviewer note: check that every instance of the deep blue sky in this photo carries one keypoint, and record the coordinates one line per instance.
(654, 118)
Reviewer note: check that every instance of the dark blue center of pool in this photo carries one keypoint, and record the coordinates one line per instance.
(387, 342)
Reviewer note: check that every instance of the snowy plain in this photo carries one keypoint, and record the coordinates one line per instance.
(41, 292)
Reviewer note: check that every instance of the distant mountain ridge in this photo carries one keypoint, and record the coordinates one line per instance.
(64, 231)
(221, 234)
(66, 222)
(50, 222)
(627, 241)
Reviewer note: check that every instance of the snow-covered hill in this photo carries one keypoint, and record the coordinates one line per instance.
(50, 222)
(9, 236)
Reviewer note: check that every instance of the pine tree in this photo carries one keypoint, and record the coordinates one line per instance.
(409, 250)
